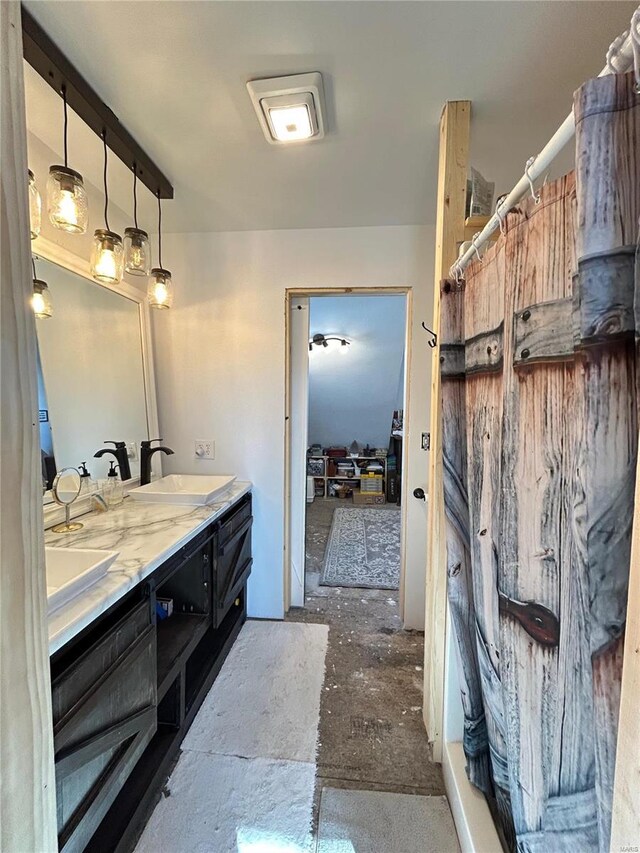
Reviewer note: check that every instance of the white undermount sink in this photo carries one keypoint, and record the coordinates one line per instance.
(191, 489)
(71, 571)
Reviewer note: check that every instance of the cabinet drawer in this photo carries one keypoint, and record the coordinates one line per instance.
(71, 685)
(233, 521)
(104, 716)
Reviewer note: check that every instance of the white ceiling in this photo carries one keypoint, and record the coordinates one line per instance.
(175, 73)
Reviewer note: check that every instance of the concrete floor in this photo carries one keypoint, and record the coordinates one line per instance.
(372, 736)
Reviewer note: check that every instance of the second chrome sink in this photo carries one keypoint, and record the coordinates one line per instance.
(192, 489)
(71, 571)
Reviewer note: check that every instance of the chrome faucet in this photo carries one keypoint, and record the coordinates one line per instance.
(120, 452)
(146, 452)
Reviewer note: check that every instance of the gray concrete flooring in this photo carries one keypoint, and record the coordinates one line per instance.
(372, 736)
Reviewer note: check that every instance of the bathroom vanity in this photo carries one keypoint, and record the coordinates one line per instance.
(145, 600)
(127, 679)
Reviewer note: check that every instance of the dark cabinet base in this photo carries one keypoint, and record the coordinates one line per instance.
(132, 808)
(126, 689)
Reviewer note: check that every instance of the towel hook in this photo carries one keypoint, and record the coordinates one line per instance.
(434, 338)
(535, 196)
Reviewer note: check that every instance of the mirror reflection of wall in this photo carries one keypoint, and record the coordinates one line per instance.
(91, 376)
(46, 439)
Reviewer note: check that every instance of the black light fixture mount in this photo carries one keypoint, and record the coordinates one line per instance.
(45, 57)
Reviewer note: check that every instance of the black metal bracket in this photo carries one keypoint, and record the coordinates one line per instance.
(434, 338)
(45, 57)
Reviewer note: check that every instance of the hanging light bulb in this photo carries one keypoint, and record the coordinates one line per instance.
(67, 203)
(35, 207)
(160, 287)
(41, 298)
(107, 254)
(137, 249)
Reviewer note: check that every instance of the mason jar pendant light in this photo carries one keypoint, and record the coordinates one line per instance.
(107, 254)
(41, 298)
(160, 288)
(35, 207)
(137, 249)
(66, 196)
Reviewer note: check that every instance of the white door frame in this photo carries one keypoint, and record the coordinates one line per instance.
(299, 395)
(296, 418)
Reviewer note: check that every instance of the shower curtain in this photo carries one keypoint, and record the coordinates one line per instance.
(540, 426)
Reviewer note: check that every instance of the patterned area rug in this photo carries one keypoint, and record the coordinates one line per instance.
(363, 549)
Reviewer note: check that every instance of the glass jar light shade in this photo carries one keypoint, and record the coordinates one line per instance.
(107, 257)
(35, 207)
(67, 200)
(41, 299)
(137, 252)
(160, 289)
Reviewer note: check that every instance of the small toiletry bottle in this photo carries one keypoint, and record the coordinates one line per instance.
(87, 484)
(113, 491)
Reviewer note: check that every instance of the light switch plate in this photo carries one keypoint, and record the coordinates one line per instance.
(205, 449)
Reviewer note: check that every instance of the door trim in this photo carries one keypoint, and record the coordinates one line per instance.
(289, 496)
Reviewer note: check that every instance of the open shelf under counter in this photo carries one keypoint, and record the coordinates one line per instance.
(178, 635)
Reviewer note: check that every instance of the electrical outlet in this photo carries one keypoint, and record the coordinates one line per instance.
(205, 449)
(132, 450)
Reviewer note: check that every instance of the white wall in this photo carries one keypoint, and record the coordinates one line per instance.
(220, 365)
(354, 390)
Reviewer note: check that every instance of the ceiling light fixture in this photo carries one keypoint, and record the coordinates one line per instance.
(160, 288)
(41, 297)
(321, 340)
(289, 109)
(66, 196)
(107, 259)
(137, 249)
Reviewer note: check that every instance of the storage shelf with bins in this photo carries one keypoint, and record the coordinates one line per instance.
(322, 480)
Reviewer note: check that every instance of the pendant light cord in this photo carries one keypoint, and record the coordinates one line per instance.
(159, 232)
(135, 197)
(33, 264)
(66, 123)
(106, 192)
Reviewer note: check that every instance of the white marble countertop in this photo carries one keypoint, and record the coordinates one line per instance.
(145, 534)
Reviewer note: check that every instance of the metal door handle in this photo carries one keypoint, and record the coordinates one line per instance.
(419, 493)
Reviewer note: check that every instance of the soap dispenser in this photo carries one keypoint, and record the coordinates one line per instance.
(113, 492)
(87, 484)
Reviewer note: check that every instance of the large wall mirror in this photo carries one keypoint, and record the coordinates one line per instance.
(94, 382)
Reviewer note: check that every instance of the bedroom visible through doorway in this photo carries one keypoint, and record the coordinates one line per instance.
(356, 389)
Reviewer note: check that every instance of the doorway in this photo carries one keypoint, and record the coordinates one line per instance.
(348, 406)
(348, 355)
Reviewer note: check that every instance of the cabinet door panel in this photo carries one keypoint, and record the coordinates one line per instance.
(232, 567)
(99, 740)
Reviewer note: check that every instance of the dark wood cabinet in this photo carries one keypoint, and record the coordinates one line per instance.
(104, 712)
(126, 690)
